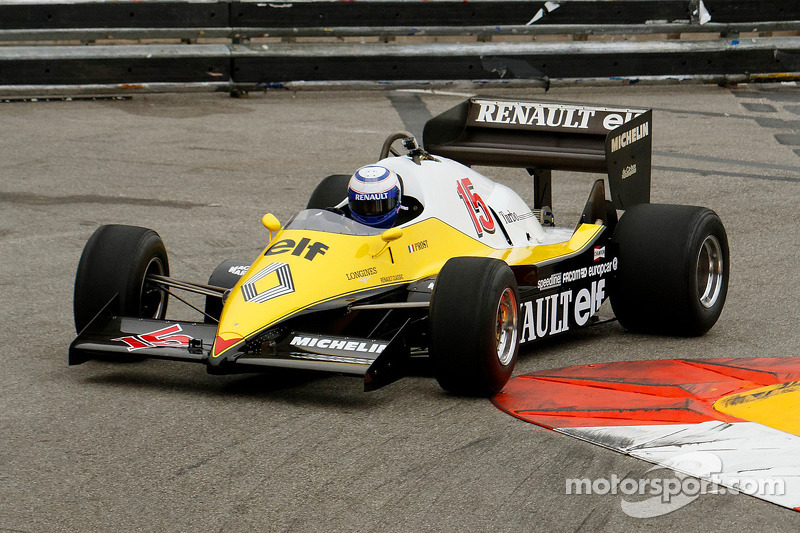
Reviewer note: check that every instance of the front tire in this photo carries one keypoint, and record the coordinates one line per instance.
(673, 269)
(474, 326)
(117, 260)
(227, 274)
(330, 192)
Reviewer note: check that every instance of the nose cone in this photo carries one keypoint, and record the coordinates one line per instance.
(299, 269)
(302, 269)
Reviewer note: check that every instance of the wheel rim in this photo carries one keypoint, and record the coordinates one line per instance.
(152, 298)
(506, 328)
(710, 272)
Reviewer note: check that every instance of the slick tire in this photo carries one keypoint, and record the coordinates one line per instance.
(330, 192)
(223, 276)
(116, 260)
(474, 326)
(673, 269)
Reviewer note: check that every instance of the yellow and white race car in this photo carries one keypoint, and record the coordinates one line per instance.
(467, 274)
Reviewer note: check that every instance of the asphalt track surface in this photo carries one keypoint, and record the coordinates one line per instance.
(159, 446)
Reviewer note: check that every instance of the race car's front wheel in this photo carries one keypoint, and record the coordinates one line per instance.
(474, 325)
(330, 192)
(227, 274)
(117, 260)
(673, 269)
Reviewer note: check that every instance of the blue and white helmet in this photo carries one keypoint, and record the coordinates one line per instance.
(374, 195)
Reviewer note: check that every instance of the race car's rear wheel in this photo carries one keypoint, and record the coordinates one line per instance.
(117, 260)
(330, 192)
(474, 325)
(673, 269)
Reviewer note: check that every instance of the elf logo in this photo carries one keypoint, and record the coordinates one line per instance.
(297, 248)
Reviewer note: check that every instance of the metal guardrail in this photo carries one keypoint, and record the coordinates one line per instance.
(242, 45)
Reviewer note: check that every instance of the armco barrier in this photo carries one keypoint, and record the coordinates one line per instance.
(84, 46)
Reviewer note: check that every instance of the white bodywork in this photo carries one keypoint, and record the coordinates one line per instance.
(435, 183)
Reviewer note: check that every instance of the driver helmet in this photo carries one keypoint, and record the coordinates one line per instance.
(373, 196)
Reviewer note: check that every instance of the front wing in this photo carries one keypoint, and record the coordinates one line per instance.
(379, 361)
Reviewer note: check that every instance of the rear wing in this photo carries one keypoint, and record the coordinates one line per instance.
(546, 136)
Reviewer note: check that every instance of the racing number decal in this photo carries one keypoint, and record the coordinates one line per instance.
(478, 211)
(163, 338)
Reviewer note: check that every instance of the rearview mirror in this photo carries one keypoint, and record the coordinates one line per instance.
(270, 222)
(391, 234)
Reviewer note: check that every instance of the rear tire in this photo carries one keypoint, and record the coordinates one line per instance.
(330, 192)
(474, 326)
(116, 260)
(673, 269)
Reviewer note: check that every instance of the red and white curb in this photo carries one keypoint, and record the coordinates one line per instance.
(677, 414)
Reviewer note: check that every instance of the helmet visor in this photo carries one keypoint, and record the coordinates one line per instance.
(372, 208)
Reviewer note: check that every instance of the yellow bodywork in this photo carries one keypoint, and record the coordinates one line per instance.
(326, 266)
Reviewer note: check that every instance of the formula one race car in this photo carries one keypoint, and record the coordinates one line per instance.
(467, 273)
